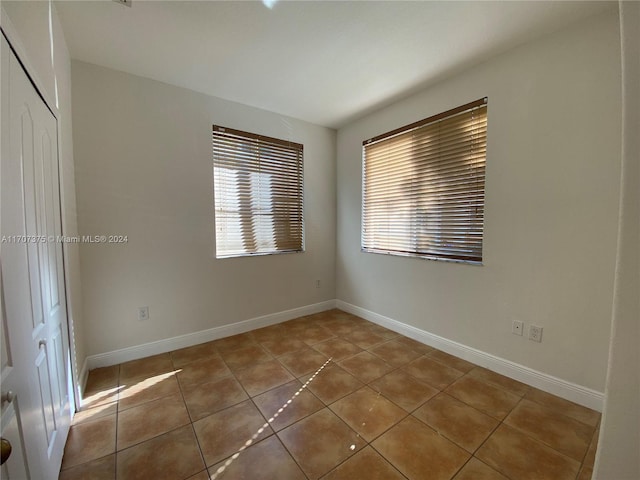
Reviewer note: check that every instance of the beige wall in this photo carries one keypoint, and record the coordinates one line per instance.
(553, 166)
(144, 169)
(29, 21)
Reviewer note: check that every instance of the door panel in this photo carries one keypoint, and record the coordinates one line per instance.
(5, 349)
(50, 215)
(52, 267)
(57, 357)
(32, 273)
(16, 467)
(46, 405)
(29, 190)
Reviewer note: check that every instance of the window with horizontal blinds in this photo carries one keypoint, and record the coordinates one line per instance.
(423, 187)
(258, 192)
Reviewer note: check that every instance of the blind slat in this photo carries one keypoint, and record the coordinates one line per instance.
(258, 193)
(423, 187)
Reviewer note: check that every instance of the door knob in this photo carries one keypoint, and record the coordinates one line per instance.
(7, 396)
(42, 343)
(6, 450)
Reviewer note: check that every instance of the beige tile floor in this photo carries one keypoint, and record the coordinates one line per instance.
(384, 407)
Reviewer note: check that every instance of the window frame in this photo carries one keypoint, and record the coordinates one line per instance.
(224, 136)
(366, 245)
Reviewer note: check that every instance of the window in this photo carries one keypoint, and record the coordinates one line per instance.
(423, 187)
(258, 194)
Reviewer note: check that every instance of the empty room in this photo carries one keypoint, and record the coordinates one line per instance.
(337, 240)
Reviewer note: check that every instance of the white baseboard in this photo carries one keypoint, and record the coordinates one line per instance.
(548, 383)
(556, 386)
(162, 346)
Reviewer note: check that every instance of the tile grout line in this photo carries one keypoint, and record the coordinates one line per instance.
(541, 442)
(261, 429)
(368, 385)
(411, 414)
(284, 445)
(501, 422)
(297, 378)
(559, 411)
(440, 391)
(193, 430)
(385, 458)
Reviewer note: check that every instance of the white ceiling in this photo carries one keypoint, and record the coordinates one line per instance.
(324, 62)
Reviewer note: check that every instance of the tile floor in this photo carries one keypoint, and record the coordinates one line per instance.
(385, 407)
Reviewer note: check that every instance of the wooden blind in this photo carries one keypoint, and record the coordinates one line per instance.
(423, 187)
(258, 191)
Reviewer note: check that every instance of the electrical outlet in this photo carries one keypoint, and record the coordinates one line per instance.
(143, 313)
(535, 333)
(317, 283)
(517, 327)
